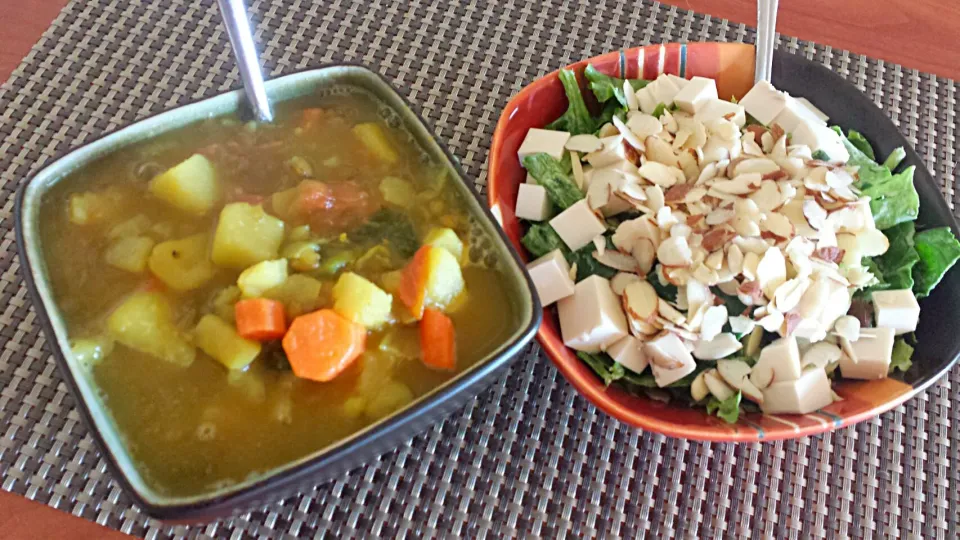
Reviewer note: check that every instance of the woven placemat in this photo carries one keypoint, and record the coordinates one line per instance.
(528, 457)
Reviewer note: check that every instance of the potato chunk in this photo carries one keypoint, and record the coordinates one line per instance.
(447, 239)
(245, 236)
(299, 294)
(220, 340)
(264, 275)
(183, 264)
(375, 139)
(432, 279)
(144, 322)
(129, 253)
(191, 186)
(361, 301)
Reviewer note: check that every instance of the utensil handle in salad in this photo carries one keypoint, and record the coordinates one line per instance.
(234, 14)
(766, 35)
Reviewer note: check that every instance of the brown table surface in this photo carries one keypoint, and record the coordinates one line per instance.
(919, 34)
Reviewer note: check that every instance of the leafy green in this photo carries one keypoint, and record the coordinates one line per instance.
(857, 139)
(938, 250)
(603, 366)
(659, 110)
(893, 199)
(821, 155)
(895, 157)
(734, 305)
(553, 176)
(634, 381)
(668, 292)
(606, 87)
(391, 226)
(727, 410)
(894, 268)
(900, 358)
(577, 118)
(587, 265)
(611, 109)
(541, 239)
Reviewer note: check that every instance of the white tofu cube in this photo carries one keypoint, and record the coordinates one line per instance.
(546, 141)
(551, 277)
(764, 102)
(697, 93)
(678, 80)
(629, 352)
(577, 225)
(718, 108)
(613, 152)
(869, 356)
(896, 309)
(820, 137)
(532, 202)
(646, 100)
(808, 393)
(591, 319)
(663, 90)
(669, 349)
(813, 108)
(782, 358)
(794, 114)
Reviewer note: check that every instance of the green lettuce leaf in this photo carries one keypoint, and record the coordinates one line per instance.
(727, 410)
(606, 87)
(938, 250)
(821, 155)
(554, 176)
(895, 157)
(900, 358)
(611, 109)
(542, 239)
(894, 268)
(668, 292)
(587, 265)
(659, 110)
(604, 366)
(576, 119)
(862, 144)
(893, 199)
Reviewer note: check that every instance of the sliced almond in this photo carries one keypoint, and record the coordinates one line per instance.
(717, 238)
(772, 321)
(741, 325)
(815, 214)
(734, 259)
(600, 243)
(721, 346)
(847, 327)
(677, 193)
(628, 135)
(646, 254)
(720, 216)
(705, 275)
(761, 375)
(713, 320)
(584, 143)
(788, 295)
(820, 355)
(620, 281)
(617, 260)
(659, 151)
(670, 313)
(768, 197)
(872, 243)
(655, 197)
(734, 372)
(675, 252)
(760, 165)
(640, 300)
(771, 271)
(644, 125)
(698, 389)
(739, 185)
(714, 261)
(607, 130)
(746, 226)
(750, 293)
(708, 172)
(750, 147)
(750, 262)
(717, 386)
(778, 225)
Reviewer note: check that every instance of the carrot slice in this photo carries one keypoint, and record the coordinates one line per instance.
(320, 345)
(413, 282)
(260, 319)
(437, 340)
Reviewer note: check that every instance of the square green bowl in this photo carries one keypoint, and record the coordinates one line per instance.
(325, 463)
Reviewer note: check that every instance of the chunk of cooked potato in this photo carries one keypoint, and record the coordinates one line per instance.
(245, 236)
(219, 339)
(129, 253)
(397, 191)
(261, 277)
(191, 185)
(447, 239)
(432, 279)
(144, 323)
(375, 139)
(299, 294)
(183, 264)
(359, 300)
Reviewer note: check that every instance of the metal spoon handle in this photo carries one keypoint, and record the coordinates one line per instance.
(234, 14)
(766, 34)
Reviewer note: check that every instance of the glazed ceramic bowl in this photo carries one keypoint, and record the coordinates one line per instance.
(732, 66)
(325, 463)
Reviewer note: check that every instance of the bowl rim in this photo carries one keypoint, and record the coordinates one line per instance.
(245, 494)
(593, 389)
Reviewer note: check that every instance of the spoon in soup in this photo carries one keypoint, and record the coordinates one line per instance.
(234, 14)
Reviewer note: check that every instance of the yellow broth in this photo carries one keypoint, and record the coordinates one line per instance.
(194, 428)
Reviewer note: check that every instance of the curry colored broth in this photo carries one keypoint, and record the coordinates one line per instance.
(199, 427)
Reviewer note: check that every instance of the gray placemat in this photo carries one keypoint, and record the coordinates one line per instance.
(528, 457)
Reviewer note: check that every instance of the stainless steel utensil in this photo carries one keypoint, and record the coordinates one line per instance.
(766, 34)
(234, 14)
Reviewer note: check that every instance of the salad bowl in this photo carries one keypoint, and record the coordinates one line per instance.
(732, 66)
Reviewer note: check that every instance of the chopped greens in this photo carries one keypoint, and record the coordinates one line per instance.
(862, 144)
(603, 366)
(938, 249)
(901, 357)
(895, 157)
(391, 226)
(659, 110)
(821, 155)
(587, 265)
(606, 87)
(541, 239)
(555, 178)
(894, 268)
(576, 119)
(893, 199)
(727, 410)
